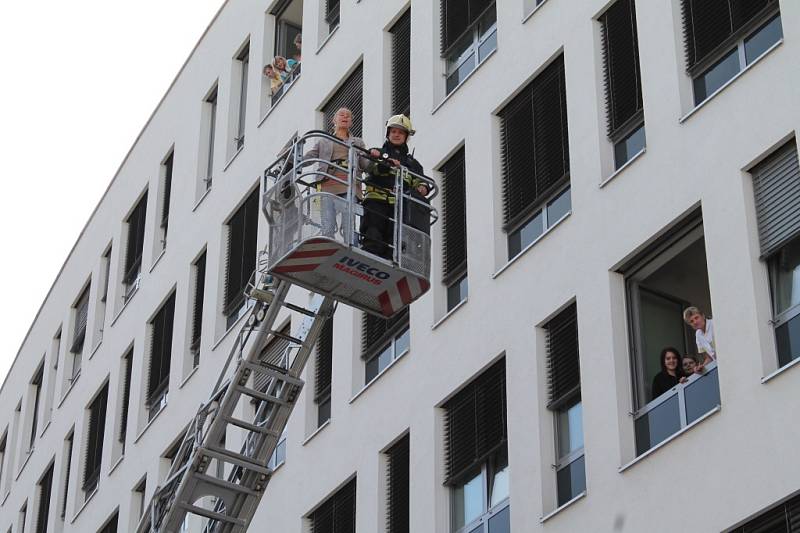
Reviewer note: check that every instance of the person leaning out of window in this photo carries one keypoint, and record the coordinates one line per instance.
(274, 78)
(671, 372)
(704, 336)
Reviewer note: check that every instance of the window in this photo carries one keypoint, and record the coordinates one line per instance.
(36, 384)
(3, 465)
(166, 171)
(100, 313)
(111, 525)
(288, 44)
(210, 126)
(476, 456)
(127, 367)
(332, 14)
(782, 518)
(278, 457)
(323, 373)
(274, 354)
(724, 36)
(401, 65)
(244, 64)
(160, 357)
(382, 341)
(241, 257)
(81, 314)
(667, 277)
(68, 460)
(454, 212)
(199, 268)
(535, 153)
(469, 35)
(95, 437)
(45, 493)
(135, 246)
(139, 498)
(398, 492)
(337, 514)
(23, 517)
(776, 182)
(349, 95)
(624, 106)
(564, 388)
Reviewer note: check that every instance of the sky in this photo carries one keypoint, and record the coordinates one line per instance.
(79, 81)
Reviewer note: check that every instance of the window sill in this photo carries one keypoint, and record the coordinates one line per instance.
(233, 157)
(5, 498)
(781, 370)
(94, 350)
(85, 503)
(558, 510)
(462, 82)
(130, 298)
(116, 464)
(46, 425)
(72, 383)
(29, 454)
(326, 39)
(377, 377)
(527, 17)
(621, 169)
(531, 245)
(316, 432)
(669, 439)
(450, 313)
(149, 423)
(729, 82)
(158, 260)
(200, 201)
(191, 373)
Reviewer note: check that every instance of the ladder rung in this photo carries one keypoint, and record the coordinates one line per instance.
(213, 515)
(224, 483)
(261, 369)
(236, 459)
(299, 309)
(284, 336)
(250, 426)
(253, 393)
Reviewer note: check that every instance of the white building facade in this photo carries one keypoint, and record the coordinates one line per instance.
(604, 165)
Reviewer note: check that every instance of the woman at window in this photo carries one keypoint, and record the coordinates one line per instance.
(671, 372)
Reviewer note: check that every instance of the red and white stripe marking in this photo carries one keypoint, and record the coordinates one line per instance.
(310, 256)
(405, 291)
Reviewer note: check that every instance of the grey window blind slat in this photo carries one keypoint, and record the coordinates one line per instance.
(160, 350)
(133, 253)
(45, 495)
(454, 212)
(563, 368)
(271, 354)
(349, 95)
(401, 64)
(776, 184)
(242, 251)
(397, 487)
(324, 362)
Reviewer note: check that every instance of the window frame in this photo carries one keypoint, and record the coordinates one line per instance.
(235, 305)
(476, 39)
(211, 102)
(91, 479)
(243, 57)
(157, 395)
(133, 261)
(488, 472)
(390, 344)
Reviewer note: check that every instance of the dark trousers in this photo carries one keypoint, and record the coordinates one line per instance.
(377, 228)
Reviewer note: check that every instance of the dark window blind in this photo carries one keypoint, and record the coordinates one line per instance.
(563, 370)
(401, 65)
(535, 148)
(397, 490)
(242, 250)
(454, 211)
(168, 165)
(621, 63)
(338, 513)
(377, 331)
(709, 26)
(160, 350)
(349, 95)
(324, 363)
(127, 364)
(475, 422)
(199, 296)
(776, 183)
(68, 459)
(272, 354)
(37, 380)
(45, 494)
(332, 12)
(94, 447)
(111, 525)
(135, 245)
(81, 318)
(783, 518)
(458, 17)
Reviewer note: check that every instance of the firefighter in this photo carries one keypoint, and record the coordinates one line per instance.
(377, 224)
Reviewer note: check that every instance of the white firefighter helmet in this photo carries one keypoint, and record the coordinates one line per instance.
(400, 121)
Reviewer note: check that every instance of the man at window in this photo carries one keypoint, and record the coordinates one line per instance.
(704, 335)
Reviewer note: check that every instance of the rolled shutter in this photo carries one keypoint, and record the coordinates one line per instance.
(337, 514)
(127, 362)
(161, 350)
(710, 25)
(135, 245)
(332, 12)
(199, 296)
(401, 65)
(168, 165)
(793, 514)
(563, 369)
(242, 250)
(621, 64)
(377, 331)
(111, 525)
(81, 318)
(45, 494)
(68, 459)
(535, 146)
(324, 363)
(776, 183)
(349, 95)
(272, 354)
(458, 17)
(475, 422)
(94, 448)
(454, 212)
(397, 496)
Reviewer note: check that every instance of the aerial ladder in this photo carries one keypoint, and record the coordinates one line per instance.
(254, 396)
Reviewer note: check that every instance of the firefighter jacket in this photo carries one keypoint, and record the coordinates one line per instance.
(381, 176)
